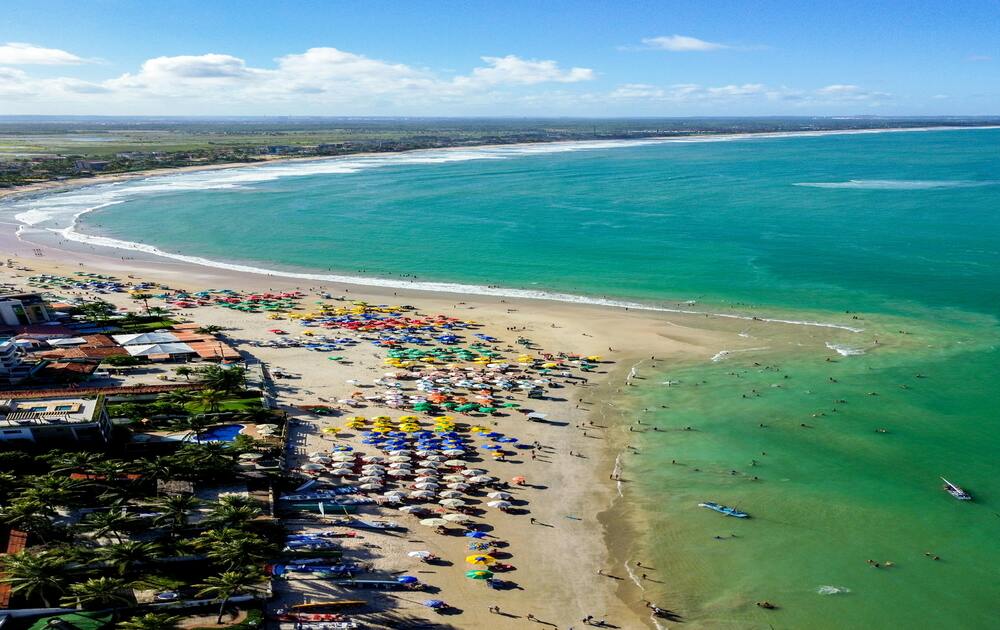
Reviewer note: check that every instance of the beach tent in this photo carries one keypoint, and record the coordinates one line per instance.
(145, 339)
(171, 349)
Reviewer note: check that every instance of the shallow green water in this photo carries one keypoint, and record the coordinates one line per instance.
(904, 225)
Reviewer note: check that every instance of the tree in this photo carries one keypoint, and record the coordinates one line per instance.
(144, 298)
(35, 574)
(114, 522)
(211, 398)
(98, 310)
(102, 592)
(237, 551)
(29, 515)
(228, 380)
(76, 462)
(211, 329)
(233, 515)
(227, 584)
(54, 491)
(184, 371)
(151, 621)
(175, 512)
(126, 554)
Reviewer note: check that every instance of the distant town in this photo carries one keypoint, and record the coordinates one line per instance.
(35, 150)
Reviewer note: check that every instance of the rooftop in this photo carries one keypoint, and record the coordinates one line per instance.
(47, 411)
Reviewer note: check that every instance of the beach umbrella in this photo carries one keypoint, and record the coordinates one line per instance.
(478, 575)
(433, 603)
(453, 451)
(394, 493)
(452, 503)
(491, 447)
(472, 472)
(420, 554)
(481, 479)
(321, 459)
(483, 560)
(500, 505)
(454, 462)
(475, 534)
(411, 509)
(426, 471)
(370, 486)
(343, 457)
(340, 472)
(450, 494)
(421, 494)
(433, 522)
(370, 479)
(407, 579)
(500, 495)
(458, 486)
(426, 485)
(455, 477)
(251, 456)
(398, 459)
(312, 467)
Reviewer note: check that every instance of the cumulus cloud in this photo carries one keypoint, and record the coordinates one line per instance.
(514, 70)
(695, 93)
(681, 43)
(21, 54)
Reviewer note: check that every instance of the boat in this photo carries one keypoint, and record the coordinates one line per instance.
(956, 491)
(336, 603)
(724, 509)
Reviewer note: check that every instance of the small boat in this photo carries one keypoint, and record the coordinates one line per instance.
(724, 509)
(336, 603)
(956, 491)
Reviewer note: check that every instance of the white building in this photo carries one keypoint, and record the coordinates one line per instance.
(55, 420)
(22, 309)
(13, 367)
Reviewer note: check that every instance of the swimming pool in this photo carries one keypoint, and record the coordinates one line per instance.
(221, 433)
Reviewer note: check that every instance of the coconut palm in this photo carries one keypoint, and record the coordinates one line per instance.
(54, 491)
(102, 592)
(240, 551)
(233, 515)
(211, 329)
(211, 398)
(35, 574)
(151, 621)
(227, 584)
(29, 515)
(126, 554)
(114, 522)
(175, 512)
(144, 298)
(75, 462)
(228, 380)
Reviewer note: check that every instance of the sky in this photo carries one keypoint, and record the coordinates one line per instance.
(512, 58)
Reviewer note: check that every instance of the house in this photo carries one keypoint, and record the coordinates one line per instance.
(22, 309)
(56, 419)
(91, 166)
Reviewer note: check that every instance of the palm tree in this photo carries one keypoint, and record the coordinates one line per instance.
(175, 511)
(211, 398)
(211, 329)
(227, 584)
(34, 574)
(98, 310)
(233, 515)
(229, 379)
(54, 491)
(102, 592)
(75, 462)
(240, 551)
(114, 522)
(28, 515)
(151, 621)
(144, 298)
(184, 371)
(178, 396)
(123, 555)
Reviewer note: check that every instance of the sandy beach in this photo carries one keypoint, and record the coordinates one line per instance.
(565, 567)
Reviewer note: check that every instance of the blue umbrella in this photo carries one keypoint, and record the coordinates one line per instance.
(407, 579)
(433, 603)
(492, 447)
(475, 535)
(507, 440)
(494, 434)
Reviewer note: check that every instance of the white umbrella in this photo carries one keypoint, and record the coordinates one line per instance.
(400, 465)
(410, 509)
(401, 451)
(500, 495)
(457, 518)
(370, 479)
(426, 485)
(420, 554)
(432, 479)
(312, 467)
(434, 522)
(435, 458)
(499, 504)
(399, 458)
(452, 503)
(343, 457)
(481, 479)
(342, 471)
(425, 452)
(454, 462)
(472, 472)
(457, 478)
(370, 486)
(319, 454)
(320, 459)
(453, 451)
(450, 494)
(426, 463)
(458, 486)
(399, 473)
(373, 458)
(394, 493)
(426, 471)
(421, 494)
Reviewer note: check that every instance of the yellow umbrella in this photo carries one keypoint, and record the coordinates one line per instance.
(480, 560)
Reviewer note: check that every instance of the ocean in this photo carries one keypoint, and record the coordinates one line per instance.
(889, 234)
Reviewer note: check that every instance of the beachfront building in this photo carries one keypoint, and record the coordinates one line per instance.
(23, 309)
(13, 366)
(54, 420)
(155, 346)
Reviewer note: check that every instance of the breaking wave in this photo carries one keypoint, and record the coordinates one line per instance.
(897, 184)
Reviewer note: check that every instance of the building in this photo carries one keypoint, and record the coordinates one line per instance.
(23, 309)
(91, 166)
(57, 419)
(155, 346)
(13, 367)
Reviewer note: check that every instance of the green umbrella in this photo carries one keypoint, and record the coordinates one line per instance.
(487, 409)
(510, 405)
(479, 575)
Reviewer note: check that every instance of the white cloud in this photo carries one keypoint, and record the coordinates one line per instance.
(21, 54)
(514, 70)
(681, 43)
(693, 93)
(687, 92)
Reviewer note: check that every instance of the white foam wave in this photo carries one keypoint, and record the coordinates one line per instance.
(897, 184)
(71, 234)
(832, 590)
(723, 354)
(844, 350)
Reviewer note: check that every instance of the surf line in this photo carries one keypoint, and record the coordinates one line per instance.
(71, 234)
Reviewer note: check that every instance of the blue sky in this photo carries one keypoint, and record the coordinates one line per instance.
(215, 57)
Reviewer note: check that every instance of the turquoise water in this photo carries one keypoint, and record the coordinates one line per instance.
(900, 225)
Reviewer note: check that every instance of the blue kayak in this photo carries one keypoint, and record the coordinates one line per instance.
(724, 509)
